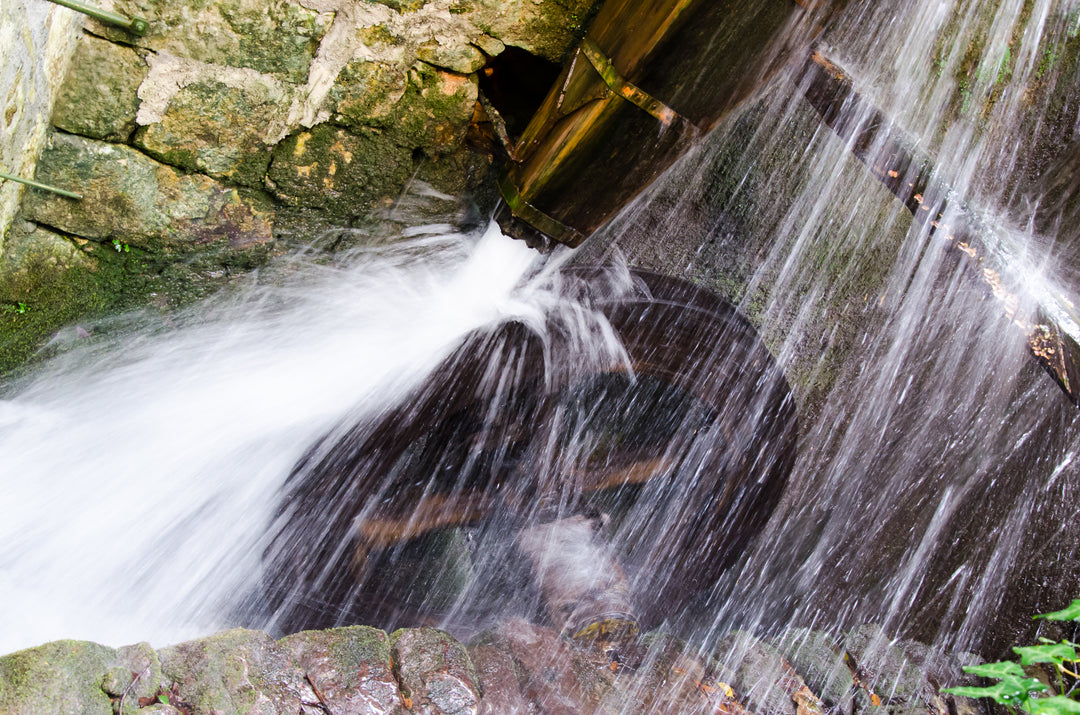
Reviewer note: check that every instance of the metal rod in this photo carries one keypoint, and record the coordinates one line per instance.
(135, 26)
(36, 185)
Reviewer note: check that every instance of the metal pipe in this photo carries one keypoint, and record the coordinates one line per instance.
(135, 26)
(37, 185)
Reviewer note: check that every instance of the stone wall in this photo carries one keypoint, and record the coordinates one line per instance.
(514, 668)
(37, 39)
(233, 131)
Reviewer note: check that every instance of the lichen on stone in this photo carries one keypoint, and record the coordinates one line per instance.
(218, 128)
(98, 98)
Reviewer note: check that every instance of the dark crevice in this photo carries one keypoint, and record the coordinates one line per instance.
(516, 82)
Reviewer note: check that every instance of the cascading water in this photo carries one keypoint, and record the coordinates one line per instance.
(936, 477)
(142, 473)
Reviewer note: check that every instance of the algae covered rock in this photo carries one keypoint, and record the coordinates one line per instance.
(98, 98)
(349, 668)
(135, 200)
(58, 677)
(434, 671)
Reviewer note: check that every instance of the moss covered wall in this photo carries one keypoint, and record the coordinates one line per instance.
(233, 131)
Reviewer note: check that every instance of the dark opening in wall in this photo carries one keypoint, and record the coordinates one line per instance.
(515, 83)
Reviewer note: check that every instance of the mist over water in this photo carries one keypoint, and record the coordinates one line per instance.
(936, 481)
(140, 472)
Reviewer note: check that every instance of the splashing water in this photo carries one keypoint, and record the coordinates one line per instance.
(918, 500)
(936, 474)
(140, 474)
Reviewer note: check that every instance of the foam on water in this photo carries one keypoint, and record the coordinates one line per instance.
(138, 475)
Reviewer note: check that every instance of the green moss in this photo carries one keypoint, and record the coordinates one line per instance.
(39, 295)
(59, 677)
(341, 172)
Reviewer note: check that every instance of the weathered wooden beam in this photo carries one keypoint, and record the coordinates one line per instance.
(627, 105)
(1052, 328)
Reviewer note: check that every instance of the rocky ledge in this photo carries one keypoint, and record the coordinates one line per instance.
(516, 667)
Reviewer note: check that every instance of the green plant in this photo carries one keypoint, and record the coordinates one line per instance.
(121, 246)
(1014, 689)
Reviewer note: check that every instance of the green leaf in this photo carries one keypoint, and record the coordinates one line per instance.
(1069, 613)
(1056, 705)
(1048, 653)
(1001, 669)
(1009, 691)
(968, 691)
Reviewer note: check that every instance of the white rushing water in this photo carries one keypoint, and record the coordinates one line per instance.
(936, 480)
(139, 475)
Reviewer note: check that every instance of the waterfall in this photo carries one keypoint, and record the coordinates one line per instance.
(933, 486)
(935, 476)
(141, 470)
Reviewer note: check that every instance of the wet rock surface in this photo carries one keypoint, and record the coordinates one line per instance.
(515, 667)
(349, 669)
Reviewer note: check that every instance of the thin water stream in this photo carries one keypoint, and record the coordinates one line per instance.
(936, 488)
(935, 485)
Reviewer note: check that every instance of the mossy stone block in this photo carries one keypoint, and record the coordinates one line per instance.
(236, 671)
(350, 667)
(131, 198)
(434, 671)
(58, 677)
(32, 255)
(819, 659)
(547, 29)
(425, 108)
(454, 54)
(434, 113)
(218, 128)
(279, 37)
(339, 171)
(98, 97)
(366, 92)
